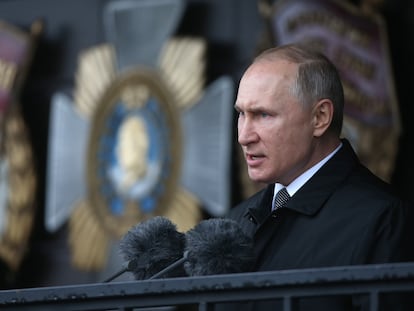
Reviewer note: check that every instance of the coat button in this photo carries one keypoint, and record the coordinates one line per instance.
(274, 215)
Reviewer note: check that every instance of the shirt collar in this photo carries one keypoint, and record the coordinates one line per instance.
(297, 183)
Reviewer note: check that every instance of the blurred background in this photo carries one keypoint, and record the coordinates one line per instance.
(46, 132)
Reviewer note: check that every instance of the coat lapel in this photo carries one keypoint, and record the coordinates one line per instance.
(308, 200)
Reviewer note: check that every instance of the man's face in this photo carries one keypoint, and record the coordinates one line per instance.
(274, 130)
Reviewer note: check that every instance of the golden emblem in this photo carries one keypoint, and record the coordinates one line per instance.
(17, 175)
(134, 152)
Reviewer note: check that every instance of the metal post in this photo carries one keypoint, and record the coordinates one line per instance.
(373, 301)
(287, 303)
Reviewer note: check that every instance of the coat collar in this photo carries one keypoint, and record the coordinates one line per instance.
(313, 194)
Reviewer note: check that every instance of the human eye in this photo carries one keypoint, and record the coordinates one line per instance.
(239, 112)
(262, 114)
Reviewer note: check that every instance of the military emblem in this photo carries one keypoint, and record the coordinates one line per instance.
(17, 174)
(145, 137)
(135, 150)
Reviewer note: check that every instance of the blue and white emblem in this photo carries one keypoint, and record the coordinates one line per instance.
(133, 156)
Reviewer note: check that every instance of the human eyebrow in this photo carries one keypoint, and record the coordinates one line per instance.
(260, 110)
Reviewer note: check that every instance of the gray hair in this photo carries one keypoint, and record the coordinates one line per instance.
(317, 78)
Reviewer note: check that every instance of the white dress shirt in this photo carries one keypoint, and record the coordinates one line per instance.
(303, 178)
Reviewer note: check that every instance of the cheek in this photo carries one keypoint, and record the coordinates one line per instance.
(288, 144)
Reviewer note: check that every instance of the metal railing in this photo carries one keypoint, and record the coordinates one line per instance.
(287, 285)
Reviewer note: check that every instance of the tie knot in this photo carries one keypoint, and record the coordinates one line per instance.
(281, 198)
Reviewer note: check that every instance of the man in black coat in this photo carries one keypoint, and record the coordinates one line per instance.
(335, 211)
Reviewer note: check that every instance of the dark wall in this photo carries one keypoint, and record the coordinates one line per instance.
(399, 16)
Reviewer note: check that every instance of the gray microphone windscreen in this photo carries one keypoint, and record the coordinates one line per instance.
(153, 245)
(218, 246)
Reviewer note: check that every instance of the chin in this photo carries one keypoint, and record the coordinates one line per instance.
(258, 179)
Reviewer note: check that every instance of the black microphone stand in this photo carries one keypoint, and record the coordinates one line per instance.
(170, 267)
(128, 266)
(132, 264)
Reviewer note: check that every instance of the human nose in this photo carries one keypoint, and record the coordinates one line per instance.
(246, 132)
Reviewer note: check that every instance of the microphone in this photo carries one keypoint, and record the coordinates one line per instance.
(151, 246)
(218, 246)
(155, 249)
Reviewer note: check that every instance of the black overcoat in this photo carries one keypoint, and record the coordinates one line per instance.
(343, 215)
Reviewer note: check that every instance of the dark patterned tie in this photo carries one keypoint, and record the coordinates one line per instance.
(281, 198)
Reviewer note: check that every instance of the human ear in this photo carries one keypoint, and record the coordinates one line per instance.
(322, 116)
